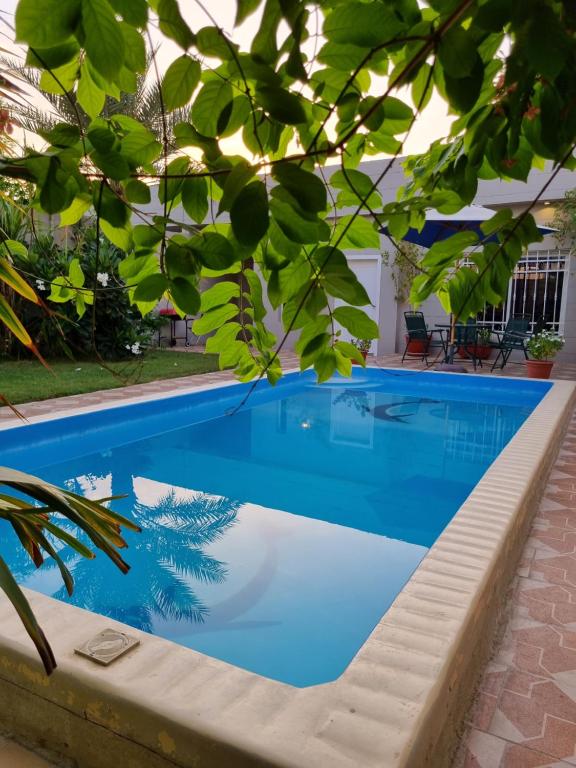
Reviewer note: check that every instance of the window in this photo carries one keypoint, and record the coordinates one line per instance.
(535, 290)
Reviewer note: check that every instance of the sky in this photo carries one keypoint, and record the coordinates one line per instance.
(432, 124)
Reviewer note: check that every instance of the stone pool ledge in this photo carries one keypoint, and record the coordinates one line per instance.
(399, 704)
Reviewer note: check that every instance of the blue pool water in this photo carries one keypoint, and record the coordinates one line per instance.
(277, 537)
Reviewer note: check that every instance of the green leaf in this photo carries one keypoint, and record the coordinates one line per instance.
(195, 198)
(134, 12)
(75, 274)
(120, 236)
(356, 186)
(21, 605)
(60, 291)
(497, 221)
(90, 97)
(314, 330)
(214, 319)
(356, 322)
(12, 248)
(169, 187)
(356, 232)
(10, 277)
(212, 42)
(264, 47)
(151, 288)
(112, 209)
(349, 351)
(256, 296)
(101, 136)
(134, 48)
(297, 227)
(325, 365)
(422, 87)
(209, 104)
(234, 116)
(457, 52)
(213, 250)
(61, 80)
(45, 23)
(447, 251)
(144, 237)
(173, 25)
(137, 191)
(103, 39)
(549, 42)
(304, 186)
(53, 195)
(463, 92)
(244, 9)
(224, 336)
(282, 105)
(141, 147)
(337, 277)
(348, 58)
(219, 294)
(112, 164)
(62, 135)
(185, 295)
(249, 214)
(9, 318)
(397, 115)
(363, 24)
(343, 363)
(53, 57)
(237, 179)
(180, 80)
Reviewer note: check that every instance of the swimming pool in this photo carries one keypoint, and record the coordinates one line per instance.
(277, 536)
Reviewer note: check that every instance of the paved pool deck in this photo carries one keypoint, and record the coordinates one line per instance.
(524, 714)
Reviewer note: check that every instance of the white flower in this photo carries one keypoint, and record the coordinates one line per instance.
(135, 348)
(127, 346)
(41, 285)
(103, 278)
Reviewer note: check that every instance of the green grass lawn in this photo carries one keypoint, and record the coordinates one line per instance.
(23, 381)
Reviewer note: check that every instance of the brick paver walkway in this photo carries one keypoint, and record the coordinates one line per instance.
(524, 715)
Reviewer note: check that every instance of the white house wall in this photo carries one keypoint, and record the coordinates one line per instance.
(495, 194)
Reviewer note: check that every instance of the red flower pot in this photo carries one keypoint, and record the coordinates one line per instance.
(539, 369)
(480, 351)
(416, 346)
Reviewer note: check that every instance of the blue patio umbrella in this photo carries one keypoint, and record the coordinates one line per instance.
(441, 226)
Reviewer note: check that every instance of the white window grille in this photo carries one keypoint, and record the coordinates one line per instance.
(535, 290)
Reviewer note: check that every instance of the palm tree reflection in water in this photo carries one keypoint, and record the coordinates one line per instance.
(165, 559)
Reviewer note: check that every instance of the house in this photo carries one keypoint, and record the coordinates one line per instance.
(543, 285)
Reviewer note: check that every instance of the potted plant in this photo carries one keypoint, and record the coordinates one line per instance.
(541, 348)
(482, 349)
(363, 346)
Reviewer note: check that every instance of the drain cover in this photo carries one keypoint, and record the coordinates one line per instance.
(107, 646)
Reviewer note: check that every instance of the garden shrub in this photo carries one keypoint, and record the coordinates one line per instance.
(112, 329)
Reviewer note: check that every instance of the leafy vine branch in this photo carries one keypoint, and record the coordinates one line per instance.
(268, 220)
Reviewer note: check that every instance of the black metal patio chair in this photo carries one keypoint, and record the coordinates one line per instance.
(513, 338)
(419, 339)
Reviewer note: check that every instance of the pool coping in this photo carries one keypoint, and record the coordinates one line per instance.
(398, 704)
